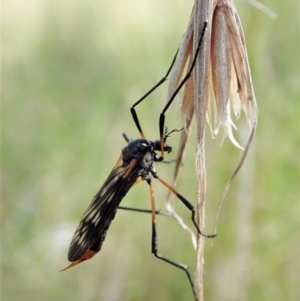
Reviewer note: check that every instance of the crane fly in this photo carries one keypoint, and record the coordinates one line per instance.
(134, 165)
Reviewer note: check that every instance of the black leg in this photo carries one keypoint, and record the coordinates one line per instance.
(177, 265)
(187, 76)
(188, 205)
(162, 115)
(132, 109)
(157, 212)
(154, 246)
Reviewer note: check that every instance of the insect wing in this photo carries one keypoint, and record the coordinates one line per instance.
(90, 234)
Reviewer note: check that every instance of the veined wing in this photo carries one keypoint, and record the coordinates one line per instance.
(91, 232)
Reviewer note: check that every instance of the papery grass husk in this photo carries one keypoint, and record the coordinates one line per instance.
(222, 67)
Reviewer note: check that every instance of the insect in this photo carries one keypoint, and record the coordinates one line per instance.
(134, 165)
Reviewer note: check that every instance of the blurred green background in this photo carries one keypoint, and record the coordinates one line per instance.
(70, 71)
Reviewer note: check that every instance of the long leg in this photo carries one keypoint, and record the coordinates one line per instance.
(154, 245)
(132, 109)
(187, 76)
(157, 212)
(188, 205)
